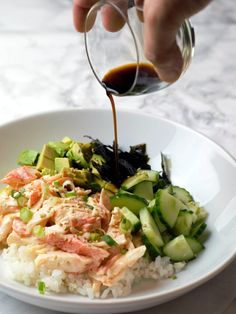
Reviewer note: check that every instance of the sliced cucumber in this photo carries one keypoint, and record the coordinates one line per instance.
(151, 205)
(198, 228)
(166, 236)
(153, 250)
(132, 218)
(131, 201)
(140, 176)
(183, 223)
(167, 207)
(160, 225)
(182, 194)
(144, 189)
(195, 245)
(150, 228)
(178, 249)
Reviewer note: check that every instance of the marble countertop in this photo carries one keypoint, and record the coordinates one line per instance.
(43, 67)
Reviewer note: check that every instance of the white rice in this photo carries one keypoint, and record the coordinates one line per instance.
(22, 268)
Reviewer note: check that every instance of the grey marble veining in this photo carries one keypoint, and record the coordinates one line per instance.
(43, 67)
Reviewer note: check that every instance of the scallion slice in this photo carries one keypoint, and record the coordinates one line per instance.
(70, 194)
(26, 214)
(41, 287)
(108, 239)
(39, 231)
(56, 184)
(15, 194)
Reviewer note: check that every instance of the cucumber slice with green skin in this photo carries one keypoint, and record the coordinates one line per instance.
(144, 189)
(167, 207)
(160, 225)
(166, 237)
(178, 249)
(183, 223)
(169, 189)
(153, 250)
(131, 201)
(195, 245)
(140, 176)
(150, 228)
(182, 194)
(151, 205)
(198, 228)
(132, 218)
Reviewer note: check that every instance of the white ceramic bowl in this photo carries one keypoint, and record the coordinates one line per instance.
(198, 164)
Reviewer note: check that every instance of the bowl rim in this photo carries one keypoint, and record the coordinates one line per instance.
(152, 295)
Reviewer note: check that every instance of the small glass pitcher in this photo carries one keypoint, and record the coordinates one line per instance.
(117, 58)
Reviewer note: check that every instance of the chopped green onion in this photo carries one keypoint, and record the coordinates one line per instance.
(125, 225)
(108, 239)
(22, 200)
(26, 214)
(71, 194)
(15, 194)
(56, 184)
(41, 287)
(174, 277)
(39, 231)
(94, 236)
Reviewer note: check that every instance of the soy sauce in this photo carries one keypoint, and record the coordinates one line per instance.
(120, 79)
(115, 144)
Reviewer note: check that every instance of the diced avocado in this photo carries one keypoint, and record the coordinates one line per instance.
(48, 172)
(60, 147)
(140, 176)
(98, 183)
(28, 157)
(61, 163)
(46, 158)
(82, 178)
(96, 160)
(76, 154)
(67, 140)
(144, 189)
(86, 150)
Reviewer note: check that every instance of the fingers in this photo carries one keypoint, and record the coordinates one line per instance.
(112, 20)
(80, 11)
(163, 18)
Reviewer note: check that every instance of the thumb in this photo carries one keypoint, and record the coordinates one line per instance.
(163, 19)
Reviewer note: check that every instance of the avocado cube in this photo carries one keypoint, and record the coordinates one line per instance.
(28, 158)
(67, 140)
(81, 177)
(46, 158)
(96, 160)
(61, 163)
(76, 154)
(60, 147)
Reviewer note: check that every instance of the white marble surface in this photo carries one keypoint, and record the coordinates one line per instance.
(43, 67)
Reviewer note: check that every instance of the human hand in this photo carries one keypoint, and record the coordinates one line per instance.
(162, 20)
